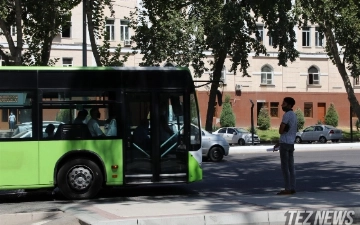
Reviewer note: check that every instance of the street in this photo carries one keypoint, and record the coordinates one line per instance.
(238, 174)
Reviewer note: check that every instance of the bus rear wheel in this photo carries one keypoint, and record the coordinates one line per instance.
(80, 179)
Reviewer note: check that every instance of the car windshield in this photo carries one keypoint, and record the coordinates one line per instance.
(241, 130)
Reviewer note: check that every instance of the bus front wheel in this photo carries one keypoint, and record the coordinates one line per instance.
(80, 179)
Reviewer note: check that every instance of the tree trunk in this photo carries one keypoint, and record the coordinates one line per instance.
(89, 14)
(45, 51)
(342, 70)
(219, 63)
(19, 42)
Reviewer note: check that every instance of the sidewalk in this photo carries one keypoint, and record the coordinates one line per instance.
(211, 210)
(228, 209)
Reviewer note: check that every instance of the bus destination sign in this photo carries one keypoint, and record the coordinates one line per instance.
(12, 99)
(9, 98)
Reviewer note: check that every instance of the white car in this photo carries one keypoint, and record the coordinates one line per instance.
(237, 135)
(213, 146)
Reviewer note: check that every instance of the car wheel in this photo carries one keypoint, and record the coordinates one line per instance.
(336, 140)
(241, 142)
(216, 154)
(298, 140)
(80, 179)
(322, 139)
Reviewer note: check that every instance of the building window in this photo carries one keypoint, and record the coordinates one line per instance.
(266, 75)
(261, 33)
(67, 62)
(356, 81)
(319, 39)
(110, 30)
(12, 30)
(313, 77)
(274, 109)
(306, 36)
(308, 109)
(270, 40)
(66, 30)
(124, 30)
(223, 75)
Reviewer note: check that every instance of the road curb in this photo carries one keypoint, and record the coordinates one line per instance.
(260, 217)
(26, 218)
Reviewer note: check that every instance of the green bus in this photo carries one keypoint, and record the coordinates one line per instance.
(78, 160)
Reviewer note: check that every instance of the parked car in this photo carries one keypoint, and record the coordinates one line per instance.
(214, 147)
(24, 130)
(320, 133)
(237, 135)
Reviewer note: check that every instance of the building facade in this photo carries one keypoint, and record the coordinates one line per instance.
(312, 80)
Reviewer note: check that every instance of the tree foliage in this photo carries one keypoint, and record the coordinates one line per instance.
(264, 119)
(332, 116)
(184, 31)
(227, 116)
(339, 23)
(300, 119)
(36, 24)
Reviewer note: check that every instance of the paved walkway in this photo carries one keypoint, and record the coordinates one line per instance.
(323, 206)
(205, 210)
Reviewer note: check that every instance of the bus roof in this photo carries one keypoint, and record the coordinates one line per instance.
(23, 77)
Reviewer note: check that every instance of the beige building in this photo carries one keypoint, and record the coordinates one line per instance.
(312, 79)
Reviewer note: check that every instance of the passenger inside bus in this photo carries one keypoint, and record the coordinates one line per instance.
(110, 125)
(49, 130)
(81, 117)
(93, 123)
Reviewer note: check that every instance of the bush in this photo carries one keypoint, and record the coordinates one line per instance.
(332, 117)
(255, 130)
(264, 119)
(214, 128)
(300, 119)
(63, 115)
(227, 117)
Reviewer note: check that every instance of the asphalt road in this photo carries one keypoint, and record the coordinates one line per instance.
(237, 174)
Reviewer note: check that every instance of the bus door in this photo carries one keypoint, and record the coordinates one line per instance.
(154, 148)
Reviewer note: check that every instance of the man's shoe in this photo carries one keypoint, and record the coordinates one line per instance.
(284, 192)
(292, 191)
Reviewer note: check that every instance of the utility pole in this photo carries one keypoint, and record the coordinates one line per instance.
(84, 47)
(252, 122)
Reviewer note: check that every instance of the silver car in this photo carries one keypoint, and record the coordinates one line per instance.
(320, 133)
(237, 135)
(213, 146)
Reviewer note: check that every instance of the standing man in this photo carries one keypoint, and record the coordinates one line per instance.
(12, 120)
(287, 131)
